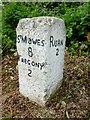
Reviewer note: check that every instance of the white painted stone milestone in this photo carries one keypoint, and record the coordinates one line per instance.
(40, 45)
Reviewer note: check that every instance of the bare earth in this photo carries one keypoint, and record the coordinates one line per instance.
(70, 101)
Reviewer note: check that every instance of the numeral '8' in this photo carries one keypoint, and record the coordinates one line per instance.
(30, 52)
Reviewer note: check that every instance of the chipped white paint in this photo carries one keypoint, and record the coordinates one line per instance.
(40, 45)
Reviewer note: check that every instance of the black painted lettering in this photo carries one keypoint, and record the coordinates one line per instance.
(61, 42)
(41, 66)
(28, 62)
(24, 60)
(55, 43)
(38, 42)
(33, 63)
(34, 41)
(29, 41)
(37, 64)
(30, 72)
(30, 52)
(42, 42)
(51, 41)
(24, 39)
(19, 38)
(57, 52)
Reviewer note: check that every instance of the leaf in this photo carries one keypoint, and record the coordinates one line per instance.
(12, 50)
(17, 67)
(67, 115)
(78, 82)
(63, 104)
(15, 54)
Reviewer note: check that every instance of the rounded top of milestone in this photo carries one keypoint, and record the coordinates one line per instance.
(35, 22)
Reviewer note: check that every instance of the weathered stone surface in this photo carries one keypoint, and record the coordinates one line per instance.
(40, 45)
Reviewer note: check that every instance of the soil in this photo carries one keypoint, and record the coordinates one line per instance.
(70, 101)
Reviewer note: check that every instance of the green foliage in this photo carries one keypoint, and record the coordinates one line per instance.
(12, 12)
(77, 21)
(6, 118)
(75, 15)
(0, 32)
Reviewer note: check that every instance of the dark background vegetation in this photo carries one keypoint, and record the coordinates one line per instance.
(75, 15)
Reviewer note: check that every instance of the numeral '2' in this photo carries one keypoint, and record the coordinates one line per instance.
(57, 52)
(30, 72)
